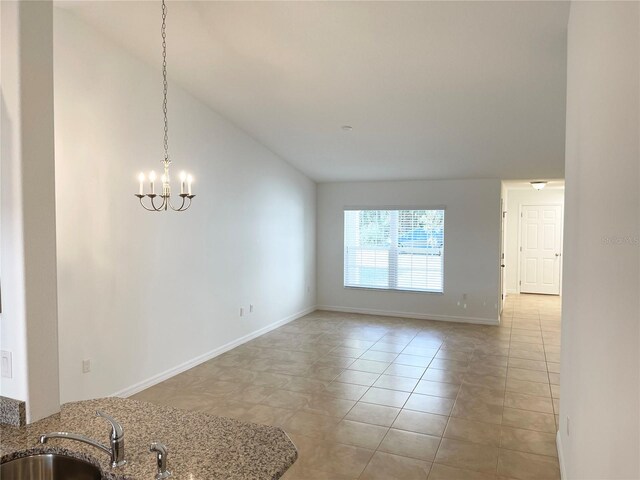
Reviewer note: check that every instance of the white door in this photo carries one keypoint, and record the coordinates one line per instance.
(540, 250)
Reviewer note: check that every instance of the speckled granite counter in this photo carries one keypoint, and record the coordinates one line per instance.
(201, 446)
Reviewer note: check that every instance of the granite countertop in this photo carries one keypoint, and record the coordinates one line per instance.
(200, 446)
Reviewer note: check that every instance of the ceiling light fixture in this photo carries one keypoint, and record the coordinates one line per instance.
(538, 185)
(185, 179)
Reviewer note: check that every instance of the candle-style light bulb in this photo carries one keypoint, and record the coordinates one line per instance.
(183, 177)
(152, 178)
(189, 182)
(141, 179)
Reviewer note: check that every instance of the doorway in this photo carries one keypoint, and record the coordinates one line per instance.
(540, 249)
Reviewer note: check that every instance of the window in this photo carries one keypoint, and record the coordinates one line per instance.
(394, 249)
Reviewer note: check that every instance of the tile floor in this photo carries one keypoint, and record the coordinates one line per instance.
(367, 397)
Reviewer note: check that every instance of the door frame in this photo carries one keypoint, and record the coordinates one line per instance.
(540, 204)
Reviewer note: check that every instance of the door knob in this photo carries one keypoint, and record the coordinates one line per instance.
(502, 265)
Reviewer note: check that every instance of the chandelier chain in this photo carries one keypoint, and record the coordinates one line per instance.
(164, 82)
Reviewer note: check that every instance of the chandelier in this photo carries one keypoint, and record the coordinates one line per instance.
(148, 200)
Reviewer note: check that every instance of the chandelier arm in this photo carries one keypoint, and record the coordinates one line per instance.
(153, 204)
(141, 198)
(180, 208)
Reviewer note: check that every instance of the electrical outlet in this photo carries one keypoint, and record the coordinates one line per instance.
(86, 366)
(7, 367)
(242, 311)
(251, 308)
(568, 421)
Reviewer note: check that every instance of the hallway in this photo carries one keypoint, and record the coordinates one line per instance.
(368, 397)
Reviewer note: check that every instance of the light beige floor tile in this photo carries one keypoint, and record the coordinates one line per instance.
(420, 351)
(541, 422)
(472, 431)
(288, 377)
(388, 347)
(472, 456)
(445, 376)
(527, 466)
(479, 368)
(357, 378)
(328, 405)
(346, 391)
(373, 414)
(383, 396)
(528, 375)
(287, 399)
(419, 422)
(405, 371)
(523, 401)
(529, 388)
(356, 433)
(413, 360)
(528, 441)
(335, 361)
(410, 444)
(393, 382)
(526, 354)
(429, 404)
(331, 457)
(478, 410)
(437, 389)
(371, 366)
(487, 381)
(553, 367)
(301, 473)
(310, 425)
(379, 356)
(450, 365)
(527, 364)
(446, 472)
(349, 352)
(385, 466)
(554, 378)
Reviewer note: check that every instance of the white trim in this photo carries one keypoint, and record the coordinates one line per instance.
(563, 471)
(160, 377)
(512, 291)
(420, 316)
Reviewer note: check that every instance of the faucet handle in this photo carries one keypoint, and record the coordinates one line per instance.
(116, 429)
(161, 458)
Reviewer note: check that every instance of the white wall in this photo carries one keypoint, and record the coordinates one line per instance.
(141, 293)
(472, 246)
(515, 198)
(28, 325)
(600, 391)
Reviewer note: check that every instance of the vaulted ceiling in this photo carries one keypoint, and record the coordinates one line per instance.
(431, 89)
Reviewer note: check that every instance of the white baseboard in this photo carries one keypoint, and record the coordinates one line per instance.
(511, 291)
(421, 316)
(563, 472)
(150, 382)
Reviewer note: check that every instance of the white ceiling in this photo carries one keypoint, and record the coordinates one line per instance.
(432, 89)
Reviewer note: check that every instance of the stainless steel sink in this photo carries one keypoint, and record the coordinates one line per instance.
(49, 466)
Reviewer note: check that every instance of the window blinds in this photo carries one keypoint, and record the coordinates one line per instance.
(394, 249)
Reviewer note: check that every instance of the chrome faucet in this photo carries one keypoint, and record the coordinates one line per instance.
(161, 458)
(116, 448)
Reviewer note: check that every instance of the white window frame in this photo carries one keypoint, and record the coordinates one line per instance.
(394, 289)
